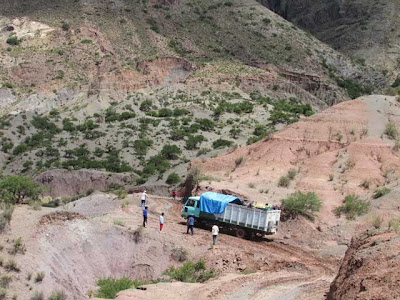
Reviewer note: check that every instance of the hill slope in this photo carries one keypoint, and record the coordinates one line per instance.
(363, 29)
(126, 78)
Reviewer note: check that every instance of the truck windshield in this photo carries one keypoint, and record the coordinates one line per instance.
(190, 202)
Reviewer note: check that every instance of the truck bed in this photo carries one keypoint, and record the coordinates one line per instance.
(257, 219)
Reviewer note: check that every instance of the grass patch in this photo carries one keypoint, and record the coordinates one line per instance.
(109, 287)
(352, 207)
(39, 277)
(391, 130)
(301, 204)
(191, 272)
(379, 192)
(58, 295)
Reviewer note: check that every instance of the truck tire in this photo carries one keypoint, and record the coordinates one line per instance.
(240, 233)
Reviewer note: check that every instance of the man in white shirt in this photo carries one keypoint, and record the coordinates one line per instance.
(161, 221)
(215, 231)
(143, 199)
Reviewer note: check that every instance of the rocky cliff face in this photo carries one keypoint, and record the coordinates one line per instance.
(369, 269)
(362, 28)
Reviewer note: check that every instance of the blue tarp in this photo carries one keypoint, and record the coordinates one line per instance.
(215, 203)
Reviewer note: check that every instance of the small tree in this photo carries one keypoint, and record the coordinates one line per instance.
(17, 189)
(171, 151)
(173, 178)
(301, 204)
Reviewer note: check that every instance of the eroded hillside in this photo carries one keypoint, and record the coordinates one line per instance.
(82, 88)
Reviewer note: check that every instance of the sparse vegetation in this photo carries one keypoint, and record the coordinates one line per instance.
(377, 221)
(301, 204)
(291, 174)
(284, 181)
(110, 287)
(11, 265)
(382, 191)
(39, 277)
(18, 247)
(394, 225)
(365, 184)
(179, 254)
(391, 130)
(239, 161)
(58, 295)
(191, 272)
(352, 207)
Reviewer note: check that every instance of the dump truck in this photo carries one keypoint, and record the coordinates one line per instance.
(228, 211)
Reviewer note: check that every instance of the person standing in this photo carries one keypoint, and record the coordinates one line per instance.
(143, 198)
(161, 221)
(190, 225)
(215, 231)
(145, 216)
(174, 194)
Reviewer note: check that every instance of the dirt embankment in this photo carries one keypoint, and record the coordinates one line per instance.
(73, 183)
(370, 269)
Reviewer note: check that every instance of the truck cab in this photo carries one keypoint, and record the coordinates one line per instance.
(191, 207)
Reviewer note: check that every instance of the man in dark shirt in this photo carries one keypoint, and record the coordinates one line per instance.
(190, 225)
(145, 216)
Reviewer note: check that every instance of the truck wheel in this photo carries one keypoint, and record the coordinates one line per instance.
(240, 233)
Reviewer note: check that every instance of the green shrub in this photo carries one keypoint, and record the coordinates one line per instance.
(193, 141)
(171, 151)
(301, 204)
(284, 181)
(58, 295)
(352, 206)
(205, 124)
(221, 143)
(173, 178)
(146, 105)
(141, 146)
(155, 164)
(379, 192)
(190, 272)
(391, 130)
(43, 123)
(16, 189)
(65, 26)
(110, 287)
(396, 83)
(13, 40)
